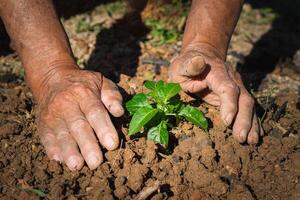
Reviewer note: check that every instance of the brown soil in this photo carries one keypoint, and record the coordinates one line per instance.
(197, 166)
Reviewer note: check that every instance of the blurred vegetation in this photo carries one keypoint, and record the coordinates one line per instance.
(112, 9)
(115, 7)
(166, 21)
(85, 26)
(261, 16)
(160, 33)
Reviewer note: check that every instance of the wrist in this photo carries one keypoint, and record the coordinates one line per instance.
(43, 77)
(205, 48)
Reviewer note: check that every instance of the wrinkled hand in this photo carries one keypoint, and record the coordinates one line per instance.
(199, 69)
(73, 117)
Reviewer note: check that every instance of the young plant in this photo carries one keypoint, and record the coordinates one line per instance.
(153, 112)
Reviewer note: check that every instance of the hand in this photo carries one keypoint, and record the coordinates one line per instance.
(72, 114)
(200, 69)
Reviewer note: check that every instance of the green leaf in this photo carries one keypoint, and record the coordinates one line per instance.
(160, 84)
(195, 116)
(138, 101)
(159, 91)
(159, 116)
(159, 133)
(163, 92)
(140, 118)
(170, 90)
(150, 85)
(174, 106)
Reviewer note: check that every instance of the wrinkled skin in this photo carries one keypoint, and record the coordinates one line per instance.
(201, 68)
(201, 71)
(75, 106)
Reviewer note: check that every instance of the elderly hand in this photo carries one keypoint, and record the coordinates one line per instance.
(200, 69)
(73, 117)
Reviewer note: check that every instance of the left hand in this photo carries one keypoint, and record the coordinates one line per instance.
(200, 69)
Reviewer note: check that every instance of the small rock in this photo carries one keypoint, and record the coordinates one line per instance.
(121, 192)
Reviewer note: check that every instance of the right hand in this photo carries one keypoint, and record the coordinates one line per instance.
(73, 117)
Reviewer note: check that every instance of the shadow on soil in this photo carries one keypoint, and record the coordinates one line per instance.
(278, 44)
(117, 48)
(65, 9)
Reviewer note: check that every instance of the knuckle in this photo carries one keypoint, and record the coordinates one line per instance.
(230, 86)
(63, 135)
(251, 101)
(94, 113)
(45, 118)
(46, 138)
(62, 99)
(79, 89)
(247, 98)
(95, 76)
(78, 125)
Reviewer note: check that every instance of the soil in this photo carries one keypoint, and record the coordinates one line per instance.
(197, 165)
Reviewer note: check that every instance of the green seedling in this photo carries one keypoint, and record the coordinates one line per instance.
(155, 111)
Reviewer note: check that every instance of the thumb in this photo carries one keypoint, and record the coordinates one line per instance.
(192, 65)
(187, 65)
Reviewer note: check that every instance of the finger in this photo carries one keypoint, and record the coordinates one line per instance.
(253, 135)
(243, 121)
(193, 65)
(99, 119)
(111, 98)
(210, 97)
(189, 70)
(50, 143)
(221, 84)
(256, 128)
(188, 64)
(69, 149)
(261, 130)
(84, 136)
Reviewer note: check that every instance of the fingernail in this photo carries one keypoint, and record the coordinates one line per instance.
(118, 106)
(72, 163)
(243, 136)
(254, 138)
(93, 161)
(110, 142)
(228, 119)
(116, 109)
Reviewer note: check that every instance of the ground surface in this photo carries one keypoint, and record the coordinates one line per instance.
(198, 165)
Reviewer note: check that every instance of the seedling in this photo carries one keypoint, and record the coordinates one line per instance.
(155, 111)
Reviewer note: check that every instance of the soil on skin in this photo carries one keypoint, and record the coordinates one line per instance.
(198, 165)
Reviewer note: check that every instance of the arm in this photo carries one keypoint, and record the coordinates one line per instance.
(211, 22)
(201, 68)
(38, 37)
(72, 103)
